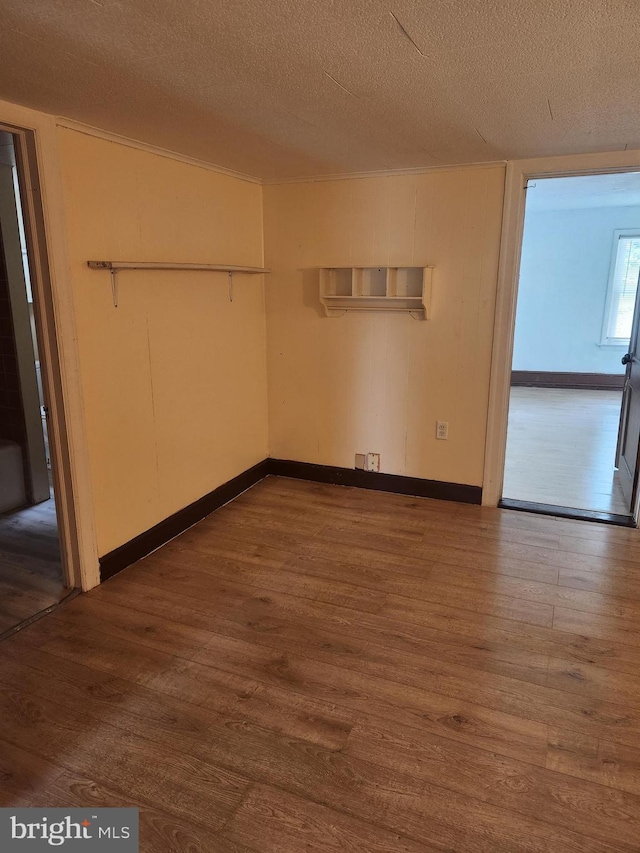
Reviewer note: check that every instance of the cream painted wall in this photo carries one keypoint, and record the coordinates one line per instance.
(378, 383)
(174, 379)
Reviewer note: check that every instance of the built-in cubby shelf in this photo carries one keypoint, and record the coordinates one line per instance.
(398, 289)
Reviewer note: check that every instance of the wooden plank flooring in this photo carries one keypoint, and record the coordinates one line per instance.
(30, 563)
(561, 445)
(316, 668)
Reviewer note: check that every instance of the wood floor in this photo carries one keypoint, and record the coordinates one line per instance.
(324, 669)
(30, 563)
(561, 446)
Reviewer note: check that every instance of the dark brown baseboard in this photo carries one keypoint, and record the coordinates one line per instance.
(552, 379)
(374, 480)
(145, 543)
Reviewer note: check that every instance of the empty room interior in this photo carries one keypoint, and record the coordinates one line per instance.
(319, 427)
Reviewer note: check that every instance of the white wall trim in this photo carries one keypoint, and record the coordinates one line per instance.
(518, 173)
(89, 130)
(44, 128)
(384, 173)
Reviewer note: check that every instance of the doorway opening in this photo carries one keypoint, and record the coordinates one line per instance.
(32, 574)
(574, 419)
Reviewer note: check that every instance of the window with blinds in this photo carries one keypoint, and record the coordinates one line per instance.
(623, 283)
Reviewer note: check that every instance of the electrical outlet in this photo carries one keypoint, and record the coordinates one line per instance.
(361, 461)
(442, 430)
(373, 462)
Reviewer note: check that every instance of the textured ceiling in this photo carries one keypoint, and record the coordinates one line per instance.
(283, 89)
(582, 191)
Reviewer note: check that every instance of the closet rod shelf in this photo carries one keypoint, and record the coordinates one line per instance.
(153, 265)
(115, 267)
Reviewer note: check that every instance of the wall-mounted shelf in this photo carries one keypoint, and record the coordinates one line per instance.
(115, 267)
(397, 289)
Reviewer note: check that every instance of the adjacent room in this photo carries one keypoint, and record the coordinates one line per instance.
(576, 298)
(319, 469)
(31, 573)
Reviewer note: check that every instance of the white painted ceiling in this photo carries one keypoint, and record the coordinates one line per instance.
(584, 191)
(282, 89)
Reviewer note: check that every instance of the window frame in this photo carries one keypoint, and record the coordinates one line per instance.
(605, 340)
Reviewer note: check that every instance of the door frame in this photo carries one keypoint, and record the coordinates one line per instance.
(37, 486)
(517, 174)
(44, 218)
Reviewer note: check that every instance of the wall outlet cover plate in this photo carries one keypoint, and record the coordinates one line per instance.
(373, 462)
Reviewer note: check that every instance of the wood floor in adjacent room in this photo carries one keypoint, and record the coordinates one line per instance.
(31, 577)
(561, 448)
(316, 668)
